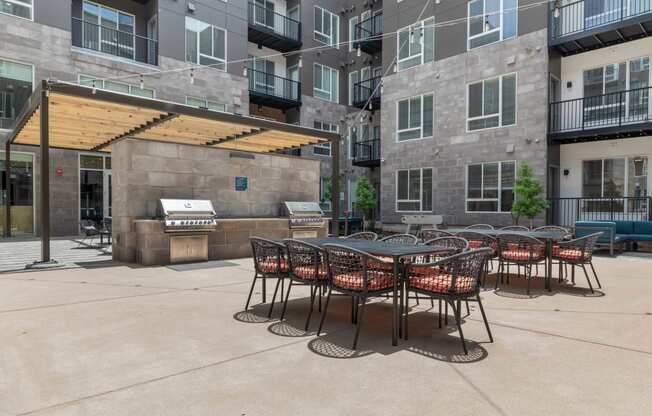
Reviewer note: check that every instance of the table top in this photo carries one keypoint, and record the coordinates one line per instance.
(542, 235)
(379, 248)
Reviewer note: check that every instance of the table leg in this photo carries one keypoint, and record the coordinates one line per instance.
(395, 305)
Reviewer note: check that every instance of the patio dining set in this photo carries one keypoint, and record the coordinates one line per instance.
(450, 266)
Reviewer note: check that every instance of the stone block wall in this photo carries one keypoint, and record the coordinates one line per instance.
(144, 172)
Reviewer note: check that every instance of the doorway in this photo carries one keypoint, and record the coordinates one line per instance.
(95, 190)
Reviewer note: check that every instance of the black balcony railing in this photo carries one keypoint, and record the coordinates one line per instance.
(270, 86)
(273, 22)
(114, 42)
(367, 91)
(366, 152)
(615, 109)
(369, 28)
(565, 211)
(585, 15)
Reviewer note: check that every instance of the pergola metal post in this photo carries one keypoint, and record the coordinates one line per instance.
(335, 186)
(45, 174)
(8, 189)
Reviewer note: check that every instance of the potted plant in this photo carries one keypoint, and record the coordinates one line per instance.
(528, 201)
(365, 199)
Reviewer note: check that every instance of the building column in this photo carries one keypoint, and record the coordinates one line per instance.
(45, 174)
(335, 186)
(8, 189)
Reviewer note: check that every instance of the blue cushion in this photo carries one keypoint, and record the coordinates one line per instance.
(584, 228)
(639, 237)
(624, 227)
(642, 227)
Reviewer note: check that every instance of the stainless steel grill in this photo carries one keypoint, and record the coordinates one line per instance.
(306, 218)
(188, 215)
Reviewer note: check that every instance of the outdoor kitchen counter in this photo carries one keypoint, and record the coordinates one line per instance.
(230, 239)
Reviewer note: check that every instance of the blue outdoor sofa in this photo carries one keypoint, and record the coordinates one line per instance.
(616, 233)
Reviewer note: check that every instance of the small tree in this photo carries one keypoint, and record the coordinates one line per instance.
(365, 195)
(527, 194)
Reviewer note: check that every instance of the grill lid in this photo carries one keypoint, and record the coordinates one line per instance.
(302, 208)
(187, 207)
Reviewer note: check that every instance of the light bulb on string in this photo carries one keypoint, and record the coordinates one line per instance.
(142, 83)
(192, 76)
(359, 52)
(300, 62)
(244, 70)
(94, 89)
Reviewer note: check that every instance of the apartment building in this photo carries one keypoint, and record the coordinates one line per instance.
(439, 105)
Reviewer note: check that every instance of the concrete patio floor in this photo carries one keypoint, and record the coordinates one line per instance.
(122, 340)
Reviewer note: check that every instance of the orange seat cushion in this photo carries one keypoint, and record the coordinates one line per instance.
(377, 280)
(270, 266)
(570, 254)
(308, 272)
(387, 264)
(476, 244)
(434, 281)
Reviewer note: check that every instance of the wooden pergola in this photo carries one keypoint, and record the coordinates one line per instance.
(70, 116)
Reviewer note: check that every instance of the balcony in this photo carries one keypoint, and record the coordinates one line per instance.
(114, 42)
(602, 117)
(584, 25)
(367, 153)
(363, 90)
(269, 90)
(369, 34)
(273, 30)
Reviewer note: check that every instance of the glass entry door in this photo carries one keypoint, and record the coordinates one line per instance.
(94, 188)
(18, 192)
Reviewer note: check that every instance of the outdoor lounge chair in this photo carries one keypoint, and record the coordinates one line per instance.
(578, 252)
(89, 232)
(520, 250)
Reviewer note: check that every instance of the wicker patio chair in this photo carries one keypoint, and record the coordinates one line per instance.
(452, 280)
(578, 252)
(270, 262)
(432, 233)
(480, 227)
(364, 235)
(567, 235)
(520, 250)
(307, 266)
(400, 239)
(350, 274)
(478, 239)
(514, 228)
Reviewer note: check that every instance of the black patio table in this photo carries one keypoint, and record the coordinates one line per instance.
(549, 237)
(380, 248)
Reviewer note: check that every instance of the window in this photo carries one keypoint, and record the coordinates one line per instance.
(16, 84)
(115, 86)
(615, 178)
(19, 8)
(325, 203)
(490, 187)
(416, 44)
(326, 83)
(352, 35)
(325, 148)
(491, 21)
(327, 27)
(353, 79)
(414, 118)
(108, 30)
(207, 104)
(18, 192)
(414, 190)
(205, 44)
(492, 103)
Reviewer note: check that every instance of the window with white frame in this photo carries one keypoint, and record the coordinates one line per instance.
(354, 77)
(615, 177)
(19, 8)
(492, 103)
(205, 44)
(414, 117)
(326, 82)
(416, 44)
(414, 190)
(16, 86)
(115, 86)
(491, 21)
(352, 35)
(324, 184)
(206, 103)
(324, 149)
(327, 27)
(490, 186)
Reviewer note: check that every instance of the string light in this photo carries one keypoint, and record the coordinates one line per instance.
(192, 76)
(556, 11)
(300, 62)
(244, 71)
(142, 83)
(359, 52)
(94, 91)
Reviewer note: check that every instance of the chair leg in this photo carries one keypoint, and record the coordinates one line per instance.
(285, 303)
(251, 291)
(468, 311)
(323, 315)
(271, 307)
(320, 293)
(529, 278)
(357, 330)
(313, 295)
(587, 278)
(458, 319)
(484, 318)
(264, 290)
(499, 274)
(573, 273)
(446, 313)
(439, 315)
(595, 275)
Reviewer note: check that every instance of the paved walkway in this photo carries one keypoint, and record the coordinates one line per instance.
(15, 254)
(126, 340)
